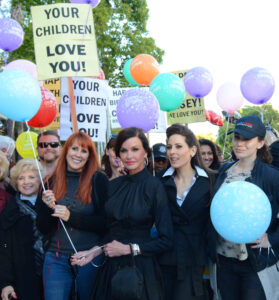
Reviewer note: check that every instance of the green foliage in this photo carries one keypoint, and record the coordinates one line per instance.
(266, 112)
(121, 34)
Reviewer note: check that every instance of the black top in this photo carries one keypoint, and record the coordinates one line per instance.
(86, 222)
(135, 203)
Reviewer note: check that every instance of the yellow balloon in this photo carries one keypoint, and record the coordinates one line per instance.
(24, 144)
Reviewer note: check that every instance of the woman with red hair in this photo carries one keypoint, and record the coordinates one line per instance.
(76, 194)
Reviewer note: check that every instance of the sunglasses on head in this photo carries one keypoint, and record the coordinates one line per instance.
(45, 144)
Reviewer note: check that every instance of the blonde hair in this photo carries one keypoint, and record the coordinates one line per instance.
(26, 164)
(4, 166)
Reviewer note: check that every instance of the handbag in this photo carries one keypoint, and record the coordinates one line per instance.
(127, 283)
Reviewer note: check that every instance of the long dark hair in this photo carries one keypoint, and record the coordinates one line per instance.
(190, 140)
(215, 164)
(128, 133)
(264, 153)
(105, 159)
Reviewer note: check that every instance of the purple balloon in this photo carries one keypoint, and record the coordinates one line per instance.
(138, 108)
(257, 85)
(93, 3)
(11, 34)
(198, 82)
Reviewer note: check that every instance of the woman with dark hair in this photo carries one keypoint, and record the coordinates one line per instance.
(241, 268)
(135, 202)
(113, 166)
(187, 184)
(209, 154)
(76, 195)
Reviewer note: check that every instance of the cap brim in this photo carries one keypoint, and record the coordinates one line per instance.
(244, 133)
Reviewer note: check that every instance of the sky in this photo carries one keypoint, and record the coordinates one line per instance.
(228, 37)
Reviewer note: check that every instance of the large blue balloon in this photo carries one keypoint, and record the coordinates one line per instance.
(240, 212)
(20, 95)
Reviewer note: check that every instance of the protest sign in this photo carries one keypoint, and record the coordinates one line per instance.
(54, 86)
(91, 98)
(64, 40)
(191, 110)
(116, 94)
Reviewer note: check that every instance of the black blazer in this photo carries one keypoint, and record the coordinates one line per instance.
(190, 223)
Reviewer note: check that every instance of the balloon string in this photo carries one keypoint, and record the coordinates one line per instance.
(226, 136)
(43, 186)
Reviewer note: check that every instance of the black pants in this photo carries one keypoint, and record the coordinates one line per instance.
(178, 289)
(237, 280)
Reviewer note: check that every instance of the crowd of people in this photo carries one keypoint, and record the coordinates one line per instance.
(137, 225)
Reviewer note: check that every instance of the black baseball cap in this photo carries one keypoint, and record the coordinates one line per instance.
(249, 127)
(159, 151)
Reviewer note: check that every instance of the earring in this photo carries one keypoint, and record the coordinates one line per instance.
(146, 161)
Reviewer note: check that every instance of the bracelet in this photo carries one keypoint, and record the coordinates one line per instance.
(135, 249)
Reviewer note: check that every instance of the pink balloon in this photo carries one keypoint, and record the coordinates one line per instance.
(229, 97)
(25, 66)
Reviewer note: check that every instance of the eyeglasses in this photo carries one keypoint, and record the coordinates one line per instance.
(52, 144)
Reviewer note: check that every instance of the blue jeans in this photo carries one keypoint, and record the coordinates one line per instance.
(58, 278)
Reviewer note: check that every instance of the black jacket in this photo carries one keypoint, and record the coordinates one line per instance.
(94, 222)
(17, 256)
(190, 222)
(267, 178)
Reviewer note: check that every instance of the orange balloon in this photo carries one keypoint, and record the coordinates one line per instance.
(144, 68)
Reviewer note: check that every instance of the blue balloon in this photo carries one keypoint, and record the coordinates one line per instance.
(240, 212)
(169, 91)
(20, 95)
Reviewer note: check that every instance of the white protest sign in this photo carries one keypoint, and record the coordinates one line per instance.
(91, 98)
(116, 94)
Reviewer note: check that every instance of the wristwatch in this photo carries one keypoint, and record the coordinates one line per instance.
(135, 249)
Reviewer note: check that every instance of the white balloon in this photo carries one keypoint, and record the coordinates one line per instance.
(229, 97)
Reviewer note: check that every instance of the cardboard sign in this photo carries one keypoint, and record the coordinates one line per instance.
(64, 40)
(91, 98)
(191, 110)
(116, 94)
(54, 86)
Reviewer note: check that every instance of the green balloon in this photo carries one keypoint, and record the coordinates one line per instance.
(127, 73)
(169, 90)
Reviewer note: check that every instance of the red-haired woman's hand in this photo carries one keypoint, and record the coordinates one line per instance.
(49, 198)
(62, 212)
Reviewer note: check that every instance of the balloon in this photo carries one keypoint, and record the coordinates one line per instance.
(23, 65)
(213, 118)
(93, 3)
(20, 95)
(24, 146)
(169, 91)
(127, 73)
(102, 75)
(144, 68)
(11, 34)
(240, 212)
(47, 111)
(257, 85)
(198, 82)
(229, 97)
(138, 108)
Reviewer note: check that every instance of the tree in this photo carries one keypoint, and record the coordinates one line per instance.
(266, 112)
(121, 34)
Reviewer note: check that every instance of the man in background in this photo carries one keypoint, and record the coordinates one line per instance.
(49, 149)
(159, 152)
